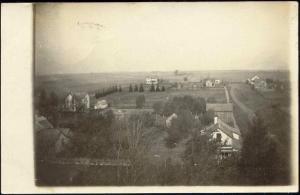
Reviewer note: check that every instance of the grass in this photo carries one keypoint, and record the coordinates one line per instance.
(127, 100)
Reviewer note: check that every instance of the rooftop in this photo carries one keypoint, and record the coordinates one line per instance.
(228, 107)
(228, 130)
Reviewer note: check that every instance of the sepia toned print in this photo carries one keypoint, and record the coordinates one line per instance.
(162, 94)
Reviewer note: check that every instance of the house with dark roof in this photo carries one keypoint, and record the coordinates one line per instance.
(228, 138)
(223, 111)
(40, 122)
(257, 82)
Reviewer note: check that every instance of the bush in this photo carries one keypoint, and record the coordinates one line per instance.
(158, 107)
(136, 88)
(208, 117)
(140, 101)
(141, 89)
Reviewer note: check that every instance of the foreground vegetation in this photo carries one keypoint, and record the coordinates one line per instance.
(262, 161)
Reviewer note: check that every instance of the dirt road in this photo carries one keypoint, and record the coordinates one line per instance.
(243, 107)
(227, 95)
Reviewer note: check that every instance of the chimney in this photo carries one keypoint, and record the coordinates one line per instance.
(215, 120)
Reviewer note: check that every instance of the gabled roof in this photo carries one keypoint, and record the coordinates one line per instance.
(228, 107)
(228, 130)
(40, 122)
(255, 78)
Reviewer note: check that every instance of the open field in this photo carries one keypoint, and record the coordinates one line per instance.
(63, 83)
(127, 100)
(256, 100)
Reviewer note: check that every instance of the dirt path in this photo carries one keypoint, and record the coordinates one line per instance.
(242, 106)
(227, 95)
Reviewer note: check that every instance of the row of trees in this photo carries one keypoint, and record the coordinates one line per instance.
(108, 91)
(136, 88)
(140, 88)
(157, 88)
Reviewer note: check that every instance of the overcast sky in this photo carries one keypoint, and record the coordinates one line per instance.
(109, 37)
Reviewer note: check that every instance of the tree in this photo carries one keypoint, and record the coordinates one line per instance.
(180, 127)
(141, 89)
(53, 108)
(157, 88)
(208, 117)
(140, 101)
(163, 88)
(53, 101)
(130, 88)
(152, 88)
(200, 160)
(260, 157)
(43, 103)
(120, 88)
(136, 88)
(158, 107)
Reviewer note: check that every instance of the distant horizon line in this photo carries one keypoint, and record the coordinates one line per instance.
(246, 70)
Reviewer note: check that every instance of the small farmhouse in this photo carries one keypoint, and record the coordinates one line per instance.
(209, 83)
(101, 104)
(77, 102)
(86, 101)
(40, 122)
(228, 138)
(150, 81)
(260, 84)
(70, 103)
(257, 82)
(218, 81)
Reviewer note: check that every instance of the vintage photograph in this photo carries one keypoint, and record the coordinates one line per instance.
(162, 94)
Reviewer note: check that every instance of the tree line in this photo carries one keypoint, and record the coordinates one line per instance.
(140, 88)
(108, 91)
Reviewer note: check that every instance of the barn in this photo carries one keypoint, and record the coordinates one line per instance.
(223, 111)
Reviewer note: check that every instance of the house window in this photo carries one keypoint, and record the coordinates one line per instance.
(236, 136)
(219, 137)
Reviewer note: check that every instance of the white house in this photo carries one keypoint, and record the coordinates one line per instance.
(150, 81)
(218, 81)
(70, 102)
(229, 138)
(169, 120)
(86, 101)
(101, 104)
(255, 78)
(209, 83)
